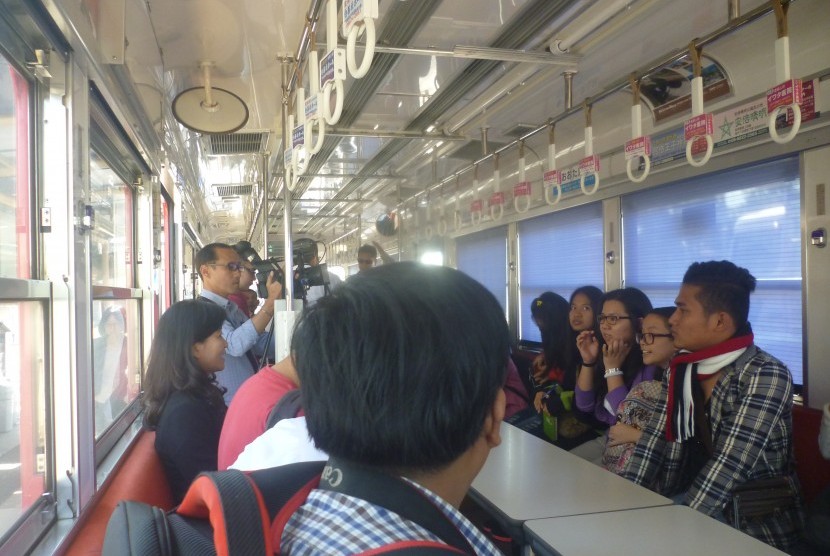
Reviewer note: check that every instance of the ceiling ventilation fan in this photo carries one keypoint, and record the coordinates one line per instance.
(209, 110)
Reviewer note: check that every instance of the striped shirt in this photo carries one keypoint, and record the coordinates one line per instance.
(334, 523)
(750, 414)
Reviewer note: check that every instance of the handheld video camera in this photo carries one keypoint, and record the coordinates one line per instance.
(262, 267)
(305, 275)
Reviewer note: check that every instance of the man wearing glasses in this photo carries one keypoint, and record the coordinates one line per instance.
(242, 297)
(221, 270)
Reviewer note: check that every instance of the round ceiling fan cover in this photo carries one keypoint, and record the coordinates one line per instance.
(228, 114)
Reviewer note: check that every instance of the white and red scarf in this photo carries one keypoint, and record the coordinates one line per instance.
(680, 407)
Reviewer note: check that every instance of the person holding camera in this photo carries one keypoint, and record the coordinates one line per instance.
(220, 268)
(241, 297)
(310, 258)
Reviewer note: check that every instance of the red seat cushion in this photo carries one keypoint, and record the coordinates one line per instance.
(139, 476)
(813, 470)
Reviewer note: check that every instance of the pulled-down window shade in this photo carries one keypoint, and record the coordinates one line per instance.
(483, 256)
(750, 216)
(558, 252)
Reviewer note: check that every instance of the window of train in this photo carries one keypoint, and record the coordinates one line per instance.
(750, 216)
(26, 483)
(14, 173)
(558, 252)
(115, 350)
(112, 236)
(116, 303)
(23, 411)
(483, 256)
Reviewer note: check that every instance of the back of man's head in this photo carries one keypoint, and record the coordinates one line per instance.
(368, 250)
(724, 286)
(401, 368)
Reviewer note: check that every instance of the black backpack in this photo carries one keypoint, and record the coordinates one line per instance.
(231, 513)
(287, 407)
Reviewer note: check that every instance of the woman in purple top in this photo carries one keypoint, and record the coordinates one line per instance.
(613, 363)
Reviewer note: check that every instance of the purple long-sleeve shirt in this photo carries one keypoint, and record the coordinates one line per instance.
(587, 402)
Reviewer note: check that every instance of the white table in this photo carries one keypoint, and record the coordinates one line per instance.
(527, 478)
(675, 530)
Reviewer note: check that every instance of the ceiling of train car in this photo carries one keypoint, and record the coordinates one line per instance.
(428, 111)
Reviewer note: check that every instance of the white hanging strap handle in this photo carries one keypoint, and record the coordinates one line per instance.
(550, 179)
(475, 207)
(522, 189)
(457, 221)
(442, 222)
(497, 199)
(312, 106)
(332, 114)
(697, 110)
(787, 95)
(589, 153)
(365, 11)
(288, 163)
(428, 231)
(639, 146)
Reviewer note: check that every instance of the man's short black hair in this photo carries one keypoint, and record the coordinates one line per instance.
(207, 254)
(724, 286)
(369, 250)
(401, 368)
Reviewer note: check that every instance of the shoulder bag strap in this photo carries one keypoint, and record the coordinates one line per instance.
(230, 501)
(394, 494)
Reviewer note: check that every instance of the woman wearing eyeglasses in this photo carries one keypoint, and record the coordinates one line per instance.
(634, 412)
(611, 364)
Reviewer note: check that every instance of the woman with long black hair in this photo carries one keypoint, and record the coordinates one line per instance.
(182, 401)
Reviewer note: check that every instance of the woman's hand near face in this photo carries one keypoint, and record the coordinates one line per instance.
(614, 353)
(623, 434)
(537, 401)
(588, 346)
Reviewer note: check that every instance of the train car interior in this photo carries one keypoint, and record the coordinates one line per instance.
(536, 145)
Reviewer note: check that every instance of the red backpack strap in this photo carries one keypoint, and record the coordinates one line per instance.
(415, 548)
(236, 511)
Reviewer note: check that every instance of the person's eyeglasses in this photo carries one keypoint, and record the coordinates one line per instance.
(612, 319)
(248, 270)
(365, 261)
(233, 267)
(647, 338)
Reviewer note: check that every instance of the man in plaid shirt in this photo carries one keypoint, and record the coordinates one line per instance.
(724, 415)
(402, 374)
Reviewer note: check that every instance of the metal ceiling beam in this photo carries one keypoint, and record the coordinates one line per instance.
(487, 53)
(347, 132)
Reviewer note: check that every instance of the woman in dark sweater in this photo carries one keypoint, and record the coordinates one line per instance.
(182, 401)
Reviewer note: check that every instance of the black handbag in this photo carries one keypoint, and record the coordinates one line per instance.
(760, 498)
